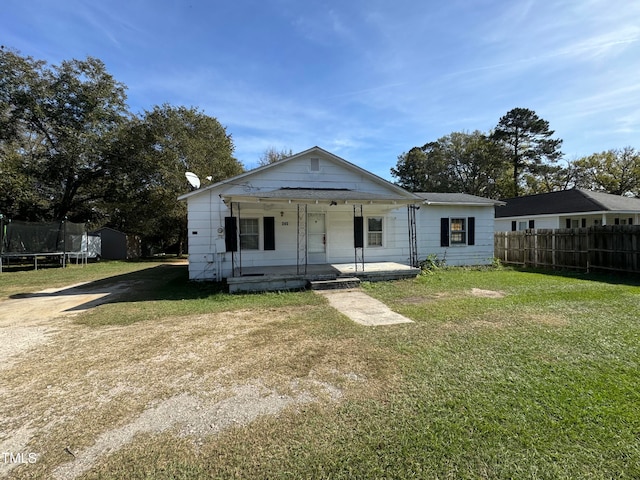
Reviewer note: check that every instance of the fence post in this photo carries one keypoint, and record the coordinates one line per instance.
(588, 248)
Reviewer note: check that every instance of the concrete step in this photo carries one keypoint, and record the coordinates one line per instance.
(338, 283)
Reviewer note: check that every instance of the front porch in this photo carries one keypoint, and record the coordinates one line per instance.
(275, 278)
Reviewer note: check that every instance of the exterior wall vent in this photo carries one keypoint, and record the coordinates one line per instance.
(315, 165)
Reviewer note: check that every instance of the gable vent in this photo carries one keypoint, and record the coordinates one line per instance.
(315, 165)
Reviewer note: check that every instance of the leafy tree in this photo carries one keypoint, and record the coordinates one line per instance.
(459, 162)
(273, 155)
(18, 199)
(417, 169)
(528, 139)
(615, 171)
(476, 165)
(546, 178)
(69, 147)
(59, 120)
(152, 154)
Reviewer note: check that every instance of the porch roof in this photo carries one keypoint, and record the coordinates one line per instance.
(315, 195)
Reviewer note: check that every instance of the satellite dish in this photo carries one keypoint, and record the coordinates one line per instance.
(193, 179)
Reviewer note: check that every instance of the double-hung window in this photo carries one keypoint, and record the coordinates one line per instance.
(374, 232)
(458, 231)
(249, 234)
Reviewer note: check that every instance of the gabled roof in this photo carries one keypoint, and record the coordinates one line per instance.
(431, 198)
(399, 191)
(567, 201)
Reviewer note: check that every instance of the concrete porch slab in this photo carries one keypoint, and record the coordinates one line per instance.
(291, 277)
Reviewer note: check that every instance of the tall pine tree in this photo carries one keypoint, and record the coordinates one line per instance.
(528, 139)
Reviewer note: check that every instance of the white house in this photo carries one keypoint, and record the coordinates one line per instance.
(456, 227)
(574, 208)
(315, 208)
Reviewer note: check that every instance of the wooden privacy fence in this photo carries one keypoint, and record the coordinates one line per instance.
(611, 248)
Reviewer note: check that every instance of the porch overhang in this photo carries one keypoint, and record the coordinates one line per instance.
(315, 196)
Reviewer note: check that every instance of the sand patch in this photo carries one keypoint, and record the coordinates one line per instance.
(478, 292)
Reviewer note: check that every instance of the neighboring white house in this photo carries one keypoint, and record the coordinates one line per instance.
(316, 208)
(575, 208)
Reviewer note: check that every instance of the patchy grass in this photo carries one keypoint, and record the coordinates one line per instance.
(538, 383)
(155, 295)
(28, 281)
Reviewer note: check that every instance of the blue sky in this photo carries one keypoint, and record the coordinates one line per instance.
(366, 80)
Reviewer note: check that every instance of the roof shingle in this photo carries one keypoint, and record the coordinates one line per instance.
(566, 201)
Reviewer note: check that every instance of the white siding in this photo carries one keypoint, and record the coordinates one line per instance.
(504, 224)
(559, 221)
(206, 245)
(429, 235)
(209, 261)
(297, 173)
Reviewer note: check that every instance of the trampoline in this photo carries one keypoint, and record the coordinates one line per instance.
(35, 242)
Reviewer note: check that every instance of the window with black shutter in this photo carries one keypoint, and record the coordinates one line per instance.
(444, 232)
(358, 232)
(471, 231)
(269, 224)
(231, 234)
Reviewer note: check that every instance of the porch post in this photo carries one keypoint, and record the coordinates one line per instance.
(358, 237)
(301, 247)
(413, 240)
(64, 242)
(233, 253)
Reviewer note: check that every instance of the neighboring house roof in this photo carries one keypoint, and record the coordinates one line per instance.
(567, 201)
(401, 192)
(431, 198)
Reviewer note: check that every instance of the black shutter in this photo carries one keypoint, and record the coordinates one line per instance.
(269, 233)
(358, 232)
(231, 234)
(471, 234)
(568, 223)
(514, 226)
(616, 221)
(532, 224)
(630, 220)
(584, 223)
(444, 232)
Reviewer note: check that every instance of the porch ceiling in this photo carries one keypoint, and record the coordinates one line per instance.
(314, 196)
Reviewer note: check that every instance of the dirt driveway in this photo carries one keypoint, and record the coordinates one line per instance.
(28, 320)
(72, 395)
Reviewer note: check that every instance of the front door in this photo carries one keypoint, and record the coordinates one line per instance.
(316, 238)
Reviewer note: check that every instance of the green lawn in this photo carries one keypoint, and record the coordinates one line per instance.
(535, 376)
